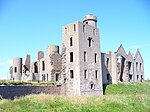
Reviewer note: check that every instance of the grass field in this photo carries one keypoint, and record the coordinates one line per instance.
(118, 98)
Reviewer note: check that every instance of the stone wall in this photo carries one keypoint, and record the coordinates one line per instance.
(11, 92)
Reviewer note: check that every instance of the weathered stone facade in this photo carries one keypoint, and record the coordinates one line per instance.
(81, 67)
(11, 92)
(120, 67)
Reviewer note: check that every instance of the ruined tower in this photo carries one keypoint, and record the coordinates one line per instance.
(17, 69)
(81, 65)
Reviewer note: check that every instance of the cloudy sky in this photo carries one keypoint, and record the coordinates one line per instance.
(27, 26)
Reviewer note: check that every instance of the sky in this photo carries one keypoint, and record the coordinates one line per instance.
(27, 26)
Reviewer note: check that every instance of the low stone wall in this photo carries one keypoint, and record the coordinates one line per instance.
(11, 92)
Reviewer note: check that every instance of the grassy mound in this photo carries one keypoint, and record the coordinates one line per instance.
(132, 88)
(108, 103)
(134, 97)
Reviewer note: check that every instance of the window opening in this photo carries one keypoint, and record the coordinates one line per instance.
(95, 55)
(85, 74)
(107, 62)
(35, 67)
(85, 56)
(96, 74)
(90, 41)
(108, 77)
(15, 69)
(71, 42)
(74, 27)
(71, 56)
(57, 76)
(71, 74)
(43, 65)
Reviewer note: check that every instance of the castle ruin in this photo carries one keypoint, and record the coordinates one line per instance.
(81, 66)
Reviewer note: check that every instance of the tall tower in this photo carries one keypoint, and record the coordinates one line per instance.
(81, 58)
(17, 69)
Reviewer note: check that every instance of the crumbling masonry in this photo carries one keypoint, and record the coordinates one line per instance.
(81, 67)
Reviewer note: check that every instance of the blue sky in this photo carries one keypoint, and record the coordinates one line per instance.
(27, 26)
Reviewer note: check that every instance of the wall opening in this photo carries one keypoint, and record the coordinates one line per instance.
(92, 86)
(108, 77)
(90, 41)
(129, 65)
(56, 77)
(85, 74)
(95, 56)
(71, 41)
(74, 27)
(94, 32)
(71, 56)
(43, 65)
(137, 66)
(137, 77)
(15, 69)
(35, 67)
(140, 67)
(120, 67)
(130, 76)
(47, 77)
(71, 74)
(107, 62)
(141, 77)
(85, 56)
(96, 74)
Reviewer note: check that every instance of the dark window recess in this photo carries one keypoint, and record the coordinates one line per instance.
(47, 77)
(107, 62)
(108, 77)
(130, 77)
(71, 74)
(95, 56)
(15, 69)
(35, 67)
(57, 77)
(137, 66)
(74, 27)
(141, 77)
(90, 41)
(96, 74)
(129, 65)
(85, 74)
(137, 77)
(71, 56)
(140, 67)
(86, 23)
(71, 41)
(92, 86)
(85, 56)
(94, 32)
(43, 65)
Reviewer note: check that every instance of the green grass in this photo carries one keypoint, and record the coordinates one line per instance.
(134, 97)
(9, 82)
(132, 88)
(108, 103)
